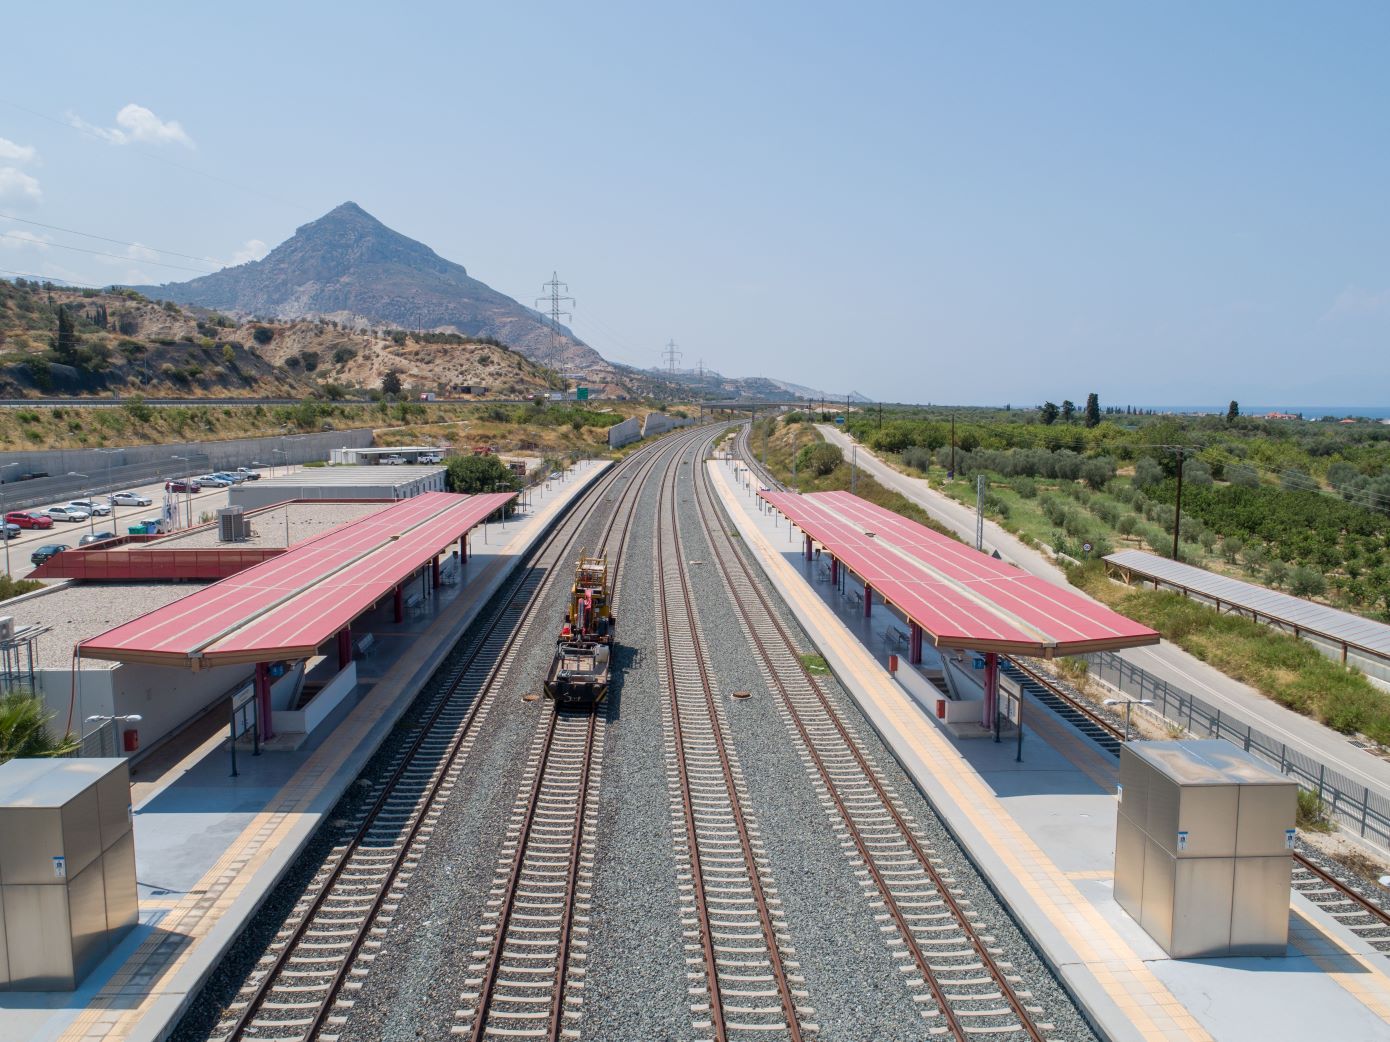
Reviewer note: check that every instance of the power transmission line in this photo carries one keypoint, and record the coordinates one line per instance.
(556, 306)
(113, 256)
(102, 238)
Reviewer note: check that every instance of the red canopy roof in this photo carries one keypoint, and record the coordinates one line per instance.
(289, 606)
(959, 596)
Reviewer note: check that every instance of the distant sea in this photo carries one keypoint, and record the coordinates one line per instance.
(1308, 412)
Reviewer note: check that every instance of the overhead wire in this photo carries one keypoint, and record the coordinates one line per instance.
(114, 256)
(103, 238)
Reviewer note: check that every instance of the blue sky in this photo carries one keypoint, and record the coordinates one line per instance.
(1178, 203)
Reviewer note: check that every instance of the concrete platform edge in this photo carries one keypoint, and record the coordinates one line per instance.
(1100, 1011)
(188, 980)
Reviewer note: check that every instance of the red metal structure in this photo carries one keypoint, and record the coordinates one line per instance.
(958, 596)
(287, 607)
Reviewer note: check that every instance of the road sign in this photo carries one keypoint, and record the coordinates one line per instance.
(839, 421)
(1086, 547)
(581, 394)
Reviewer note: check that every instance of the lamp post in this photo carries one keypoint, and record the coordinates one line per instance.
(1128, 703)
(91, 515)
(273, 454)
(188, 491)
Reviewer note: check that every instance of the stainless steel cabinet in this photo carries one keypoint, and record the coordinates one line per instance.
(67, 869)
(1202, 844)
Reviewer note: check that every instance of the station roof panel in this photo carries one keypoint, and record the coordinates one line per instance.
(1310, 617)
(958, 595)
(289, 606)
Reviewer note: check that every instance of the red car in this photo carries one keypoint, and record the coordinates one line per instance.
(28, 519)
(182, 486)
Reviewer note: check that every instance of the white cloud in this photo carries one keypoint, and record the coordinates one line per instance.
(254, 250)
(136, 123)
(1358, 302)
(18, 187)
(17, 153)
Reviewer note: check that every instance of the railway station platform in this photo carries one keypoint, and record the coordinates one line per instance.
(1042, 831)
(211, 847)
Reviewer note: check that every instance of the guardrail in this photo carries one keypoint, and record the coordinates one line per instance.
(1354, 806)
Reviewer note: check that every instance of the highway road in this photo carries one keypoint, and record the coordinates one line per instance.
(68, 533)
(1164, 660)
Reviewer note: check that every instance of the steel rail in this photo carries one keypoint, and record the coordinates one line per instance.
(577, 515)
(487, 993)
(769, 934)
(1028, 1024)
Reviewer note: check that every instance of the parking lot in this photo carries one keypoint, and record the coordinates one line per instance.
(67, 533)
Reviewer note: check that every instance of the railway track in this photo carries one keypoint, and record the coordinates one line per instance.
(527, 977)
(969, 991)
(742, 979)
(302, 987)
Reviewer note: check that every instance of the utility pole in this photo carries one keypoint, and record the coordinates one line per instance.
(880, 416)
(672, 356)
(980, 512)
(952, 474)
(556, 300)
(1177, 509)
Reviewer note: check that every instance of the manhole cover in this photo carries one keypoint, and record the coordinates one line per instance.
(742, 694)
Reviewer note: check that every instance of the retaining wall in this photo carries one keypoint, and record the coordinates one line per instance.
(108, 470)
(624, 433)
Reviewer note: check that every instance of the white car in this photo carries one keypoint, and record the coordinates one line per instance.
(393, 460)
(92, 506)
(131, 499)
(429, 457)
(213, 481)
(67, 514)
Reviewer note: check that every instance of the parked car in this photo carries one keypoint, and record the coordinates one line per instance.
(182, 485)
(227, 475)
(95, 537)
(249, 474)
(68, 513)
(393, 460)
(28, 519)
(9, 531)
(214, 481)
(94, 507)
(429, 457)
(131, 499)
(46, 552)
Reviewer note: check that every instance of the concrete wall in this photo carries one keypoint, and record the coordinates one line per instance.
(165, 697)
(141, 464)
(660, 423)
(624, 433)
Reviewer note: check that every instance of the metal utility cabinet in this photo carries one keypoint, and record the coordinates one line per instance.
(67, 869)
(1202, 848)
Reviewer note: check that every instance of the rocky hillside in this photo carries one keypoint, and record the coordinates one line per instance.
(349, 267)
(122, 342)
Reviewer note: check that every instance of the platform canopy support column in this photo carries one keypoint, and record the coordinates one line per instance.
(914, 643)
(400, 603)
(263, 710)
(434, 572)
(868, 600)
(344, 647)
(808, 547)
(991, 689)
(463, 548)
(834, 570)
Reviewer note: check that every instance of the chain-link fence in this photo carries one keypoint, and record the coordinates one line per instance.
(1353, 805)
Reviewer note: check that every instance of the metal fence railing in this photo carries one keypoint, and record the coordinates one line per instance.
(1353, 805)
(100, 741)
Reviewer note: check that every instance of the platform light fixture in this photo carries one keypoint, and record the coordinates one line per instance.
(1128, 703)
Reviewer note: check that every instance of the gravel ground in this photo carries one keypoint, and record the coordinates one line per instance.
(636, 985)
(268, 526)
(837, 939)
(993, 918)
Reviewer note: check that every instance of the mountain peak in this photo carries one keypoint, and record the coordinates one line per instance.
(348, 266)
